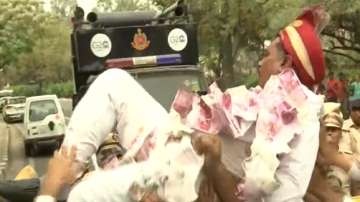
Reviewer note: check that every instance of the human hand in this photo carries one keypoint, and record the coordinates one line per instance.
(151, 197)
(206, 191)
(310, 197)
(141, 194)
(318, 183)
(322, 163)
(60, 172)
(320, 188)
(210, 146)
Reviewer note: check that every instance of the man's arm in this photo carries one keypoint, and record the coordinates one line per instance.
(225, 184)
(310, 197)
(60, 173)
(331, 154)
(206, 191)
(320, 188)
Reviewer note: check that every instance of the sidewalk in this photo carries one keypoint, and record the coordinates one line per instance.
(4, 148)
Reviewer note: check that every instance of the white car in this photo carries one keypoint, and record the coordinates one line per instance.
(44, 123)
(14, 109)
(3, 101)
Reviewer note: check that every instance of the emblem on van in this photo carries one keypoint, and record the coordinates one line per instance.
(140, 41)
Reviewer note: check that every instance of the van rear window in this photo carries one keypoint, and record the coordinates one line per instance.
(17, 100)
(39, 110)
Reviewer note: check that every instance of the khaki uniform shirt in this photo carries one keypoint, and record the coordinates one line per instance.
(349, 144)
(339, 180)
(350, 141)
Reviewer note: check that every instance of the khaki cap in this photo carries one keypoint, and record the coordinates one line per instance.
(332, 116)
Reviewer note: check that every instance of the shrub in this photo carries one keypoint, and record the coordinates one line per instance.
(59, 89)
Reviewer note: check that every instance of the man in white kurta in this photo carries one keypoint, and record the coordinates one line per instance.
(115, 101)
(87, 133)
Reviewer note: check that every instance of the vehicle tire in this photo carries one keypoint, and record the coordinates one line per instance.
(33, 150)
(28, 148)
(57, 145)
(8, 120)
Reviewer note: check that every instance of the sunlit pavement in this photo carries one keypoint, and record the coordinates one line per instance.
(12, 151)
(4, 140)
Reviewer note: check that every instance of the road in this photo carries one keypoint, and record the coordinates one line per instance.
(16, 158)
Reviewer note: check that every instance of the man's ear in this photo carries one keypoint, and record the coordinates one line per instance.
(287, 62)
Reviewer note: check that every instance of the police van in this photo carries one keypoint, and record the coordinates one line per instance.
(160, 50)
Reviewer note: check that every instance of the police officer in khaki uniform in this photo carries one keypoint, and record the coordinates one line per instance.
(333, 122)
(350, 142)
(329, 183)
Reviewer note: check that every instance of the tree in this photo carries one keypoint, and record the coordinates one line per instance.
(122, 5)
(19, 19)
(35, 44)
(62, 8)
(49, 60)
(228, 29)
(343, 35)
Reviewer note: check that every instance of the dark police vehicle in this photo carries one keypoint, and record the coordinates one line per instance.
(159, 50)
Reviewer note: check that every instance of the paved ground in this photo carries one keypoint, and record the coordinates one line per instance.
(67, 106)
(12, 153)
(4, 141)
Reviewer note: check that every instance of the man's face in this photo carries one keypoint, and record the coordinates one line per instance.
(271, 62)
(355, 115)
(333, 134)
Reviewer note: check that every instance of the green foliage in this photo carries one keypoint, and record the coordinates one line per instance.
(59, 89)
(50, 58)
(249, 80)
(19, 20)
(248, 23)
(62, 8)
(35, 44)
(25, 90)
(122, 5)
